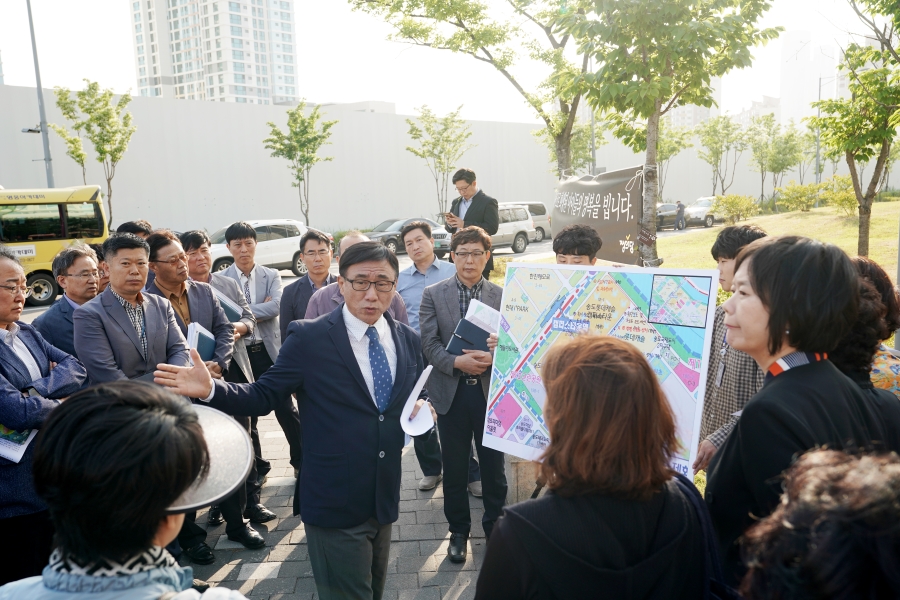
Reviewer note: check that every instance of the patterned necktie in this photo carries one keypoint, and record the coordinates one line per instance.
(247, 296)
(381, 370)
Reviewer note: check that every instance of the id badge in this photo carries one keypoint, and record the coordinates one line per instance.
(720, 373)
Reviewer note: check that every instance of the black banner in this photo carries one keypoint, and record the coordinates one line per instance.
(612, 203)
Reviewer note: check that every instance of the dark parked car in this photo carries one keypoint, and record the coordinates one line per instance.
(388, 233)
(665, 215)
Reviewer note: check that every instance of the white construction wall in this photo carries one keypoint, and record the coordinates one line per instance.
(199, 164)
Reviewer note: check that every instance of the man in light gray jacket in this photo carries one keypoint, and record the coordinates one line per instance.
(262, 289)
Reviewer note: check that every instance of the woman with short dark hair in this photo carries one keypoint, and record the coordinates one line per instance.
(794, 300)
(835, 534)
(614, 523)
(885, 368)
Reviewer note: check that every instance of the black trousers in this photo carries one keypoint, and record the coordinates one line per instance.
(286, 412)
(428, 452)
(252, 489)
(29, 541)
(463, 423)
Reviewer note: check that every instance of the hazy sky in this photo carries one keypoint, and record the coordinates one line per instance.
(344, 56)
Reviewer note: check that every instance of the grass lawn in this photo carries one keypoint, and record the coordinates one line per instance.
(691, 249)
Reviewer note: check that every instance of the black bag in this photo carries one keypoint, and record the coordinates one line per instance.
(716, 588)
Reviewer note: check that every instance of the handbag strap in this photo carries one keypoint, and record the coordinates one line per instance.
(710, 545)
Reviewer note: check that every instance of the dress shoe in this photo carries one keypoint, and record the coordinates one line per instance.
(248, 537)
(258, 513)
(429, 482)
(200, 585)
(201, 554)
(457, 548)
(215, 516)
(475, 489)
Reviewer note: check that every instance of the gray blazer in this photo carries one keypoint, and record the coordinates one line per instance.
(57, 327)
(268, 284)
(207, 312)
(438, 317)
(110, 347)
(232, 291)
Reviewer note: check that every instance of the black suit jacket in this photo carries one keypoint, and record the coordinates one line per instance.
(57, 326)
(803, 408)
(295, 299)
(484, 213)
(351, 453)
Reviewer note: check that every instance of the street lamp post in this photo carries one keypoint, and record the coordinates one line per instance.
(48, 162)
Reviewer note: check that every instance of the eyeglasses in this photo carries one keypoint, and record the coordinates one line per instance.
(174, 260)
(361, 285)
(15, 290)
(315, 253)
(86, 275)
(465, 255)
(463, 190)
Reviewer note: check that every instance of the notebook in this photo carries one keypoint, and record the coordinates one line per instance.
(467, 335)
(201, 339)
(232, 310)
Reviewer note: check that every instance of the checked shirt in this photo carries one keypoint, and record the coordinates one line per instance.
(729, 392)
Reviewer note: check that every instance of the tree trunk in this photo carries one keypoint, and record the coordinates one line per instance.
(865, 217)
(109, 202)
(564, 155)
(648, 253)
(304, 206)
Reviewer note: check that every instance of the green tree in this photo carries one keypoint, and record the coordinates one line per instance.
(672, 140)
(838, 192)
(787, 153)
(512, 41)
(579, 147)
(863, 126)
(442, 142)
(652, 56)
(103, 122)
(734, 207)
(761, 138)
(723, 142)
(800, 197)
(74, 146)
(807, 153)
(299, 145)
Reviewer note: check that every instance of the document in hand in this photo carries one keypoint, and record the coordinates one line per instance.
(232, 310)
(201, 339)
(484, 316)
(423, 420)
(467, 335)
(13, 443)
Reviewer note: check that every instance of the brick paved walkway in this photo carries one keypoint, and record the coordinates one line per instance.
(418, 567)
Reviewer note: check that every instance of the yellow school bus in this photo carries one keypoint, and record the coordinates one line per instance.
(37, 224)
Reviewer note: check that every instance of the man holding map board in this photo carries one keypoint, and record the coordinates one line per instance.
(459, 383)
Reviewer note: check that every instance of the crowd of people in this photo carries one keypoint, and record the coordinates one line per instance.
(799, 432)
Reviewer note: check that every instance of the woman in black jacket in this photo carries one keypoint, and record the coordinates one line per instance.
(614, 524)
(794, 300)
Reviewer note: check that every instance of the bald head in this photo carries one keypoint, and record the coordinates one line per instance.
(354, 237)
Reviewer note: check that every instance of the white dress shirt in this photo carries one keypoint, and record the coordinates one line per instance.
(356, 331)
(359, 342)
(10, 337)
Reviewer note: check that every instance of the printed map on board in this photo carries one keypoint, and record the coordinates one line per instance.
(665, 313)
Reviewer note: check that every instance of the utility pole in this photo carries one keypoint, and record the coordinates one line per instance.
(593, 139)
(48, 162)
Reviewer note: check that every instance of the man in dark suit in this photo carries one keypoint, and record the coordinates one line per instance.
(473, 207)
(195, 302)
(352, 372)
(123, 334)
(458, 385)
(315, 248)
(77, 273)
(34, 378)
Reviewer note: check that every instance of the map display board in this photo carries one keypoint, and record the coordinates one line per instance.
(667, 313)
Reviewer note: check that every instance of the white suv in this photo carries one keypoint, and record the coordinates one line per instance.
(516, 228)
(278, 245)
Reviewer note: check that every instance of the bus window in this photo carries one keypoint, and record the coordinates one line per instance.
(83, 220)
(30, 222)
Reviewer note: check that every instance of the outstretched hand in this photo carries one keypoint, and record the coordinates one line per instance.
(193, 382)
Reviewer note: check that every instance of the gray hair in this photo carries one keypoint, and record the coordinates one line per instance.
(7, 252)
(67, 257)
